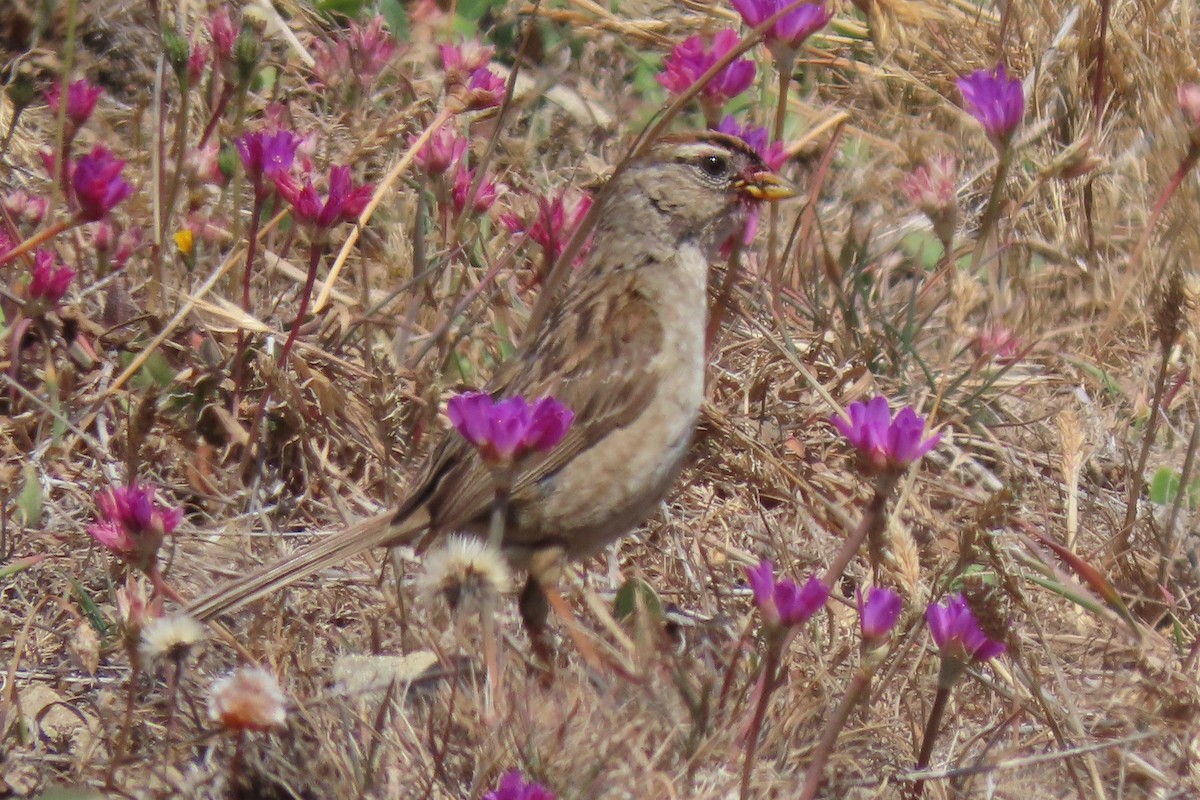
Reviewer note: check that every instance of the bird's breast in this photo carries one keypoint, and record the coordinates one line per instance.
(625, 475)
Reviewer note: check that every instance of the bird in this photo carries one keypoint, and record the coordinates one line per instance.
(624, 349)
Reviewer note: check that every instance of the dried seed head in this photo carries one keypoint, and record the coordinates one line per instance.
(247, 699)
(465, 567)
(989, 605)
(1172, 303)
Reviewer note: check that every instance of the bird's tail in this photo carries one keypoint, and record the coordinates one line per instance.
(383, 529)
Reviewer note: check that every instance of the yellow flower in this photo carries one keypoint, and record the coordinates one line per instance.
(185, 240)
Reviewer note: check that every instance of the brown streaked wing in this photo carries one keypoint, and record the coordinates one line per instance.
(601, 371)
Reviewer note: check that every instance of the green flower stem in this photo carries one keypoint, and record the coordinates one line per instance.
(502, 476)
(871, 528)
(179, 148)
(860, 684)
(784, 66)
(991, 214)
(251, 252)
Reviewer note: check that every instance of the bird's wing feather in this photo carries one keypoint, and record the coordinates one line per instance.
(595, 356)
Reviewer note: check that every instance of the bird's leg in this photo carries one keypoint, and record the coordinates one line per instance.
(534, 612)
(545, 570)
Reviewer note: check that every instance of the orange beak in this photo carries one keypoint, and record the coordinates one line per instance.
(765, 186)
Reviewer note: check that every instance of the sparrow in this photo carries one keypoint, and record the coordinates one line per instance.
(624, 349)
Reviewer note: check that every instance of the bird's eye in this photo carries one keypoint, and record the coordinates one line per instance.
(715, 166)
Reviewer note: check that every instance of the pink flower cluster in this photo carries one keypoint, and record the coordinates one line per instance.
(783, 602)
(470, 84)
(693, 57)
(132, 523)
(506, 431)
(554, 223)
(359, 56)
(885, 443)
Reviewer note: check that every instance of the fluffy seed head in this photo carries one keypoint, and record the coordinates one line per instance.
(465, 567)
(170, 637)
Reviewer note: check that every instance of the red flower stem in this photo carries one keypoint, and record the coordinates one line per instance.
(218, 111)
(858, 687)
(19, 327)
(871, 526)
(316, 250)
(62, 167)
(931, 727)
(314, 260)
(37, 240)
(775, 641)
(235, 764)
(1185, 166)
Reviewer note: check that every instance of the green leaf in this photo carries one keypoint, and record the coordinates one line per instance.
(349, 8)
(155, 372)
(20, 565)
(30, 501)
(90, 608)
(1096, 373)
(396, 17)
(924, 248)
(1164, 488)
(634, 594)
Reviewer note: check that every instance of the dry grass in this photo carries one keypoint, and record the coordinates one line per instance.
(1089, 702)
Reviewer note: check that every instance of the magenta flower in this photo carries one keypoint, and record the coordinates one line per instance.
(485, 196)
(344, 202)
(50, 280)
(997, 102)
(462, 60)
(7, 245)
(98, 185)
(554, 224)
(884, 443)
(513, 787)
(691, 59)
(783, 602)
(266, 155)
(877, 614)
(759, 138)
(507, 430)
(785, 36)
(485, 89)
(132, 524)
(81, 100)
(443, 150)
(957, 634)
